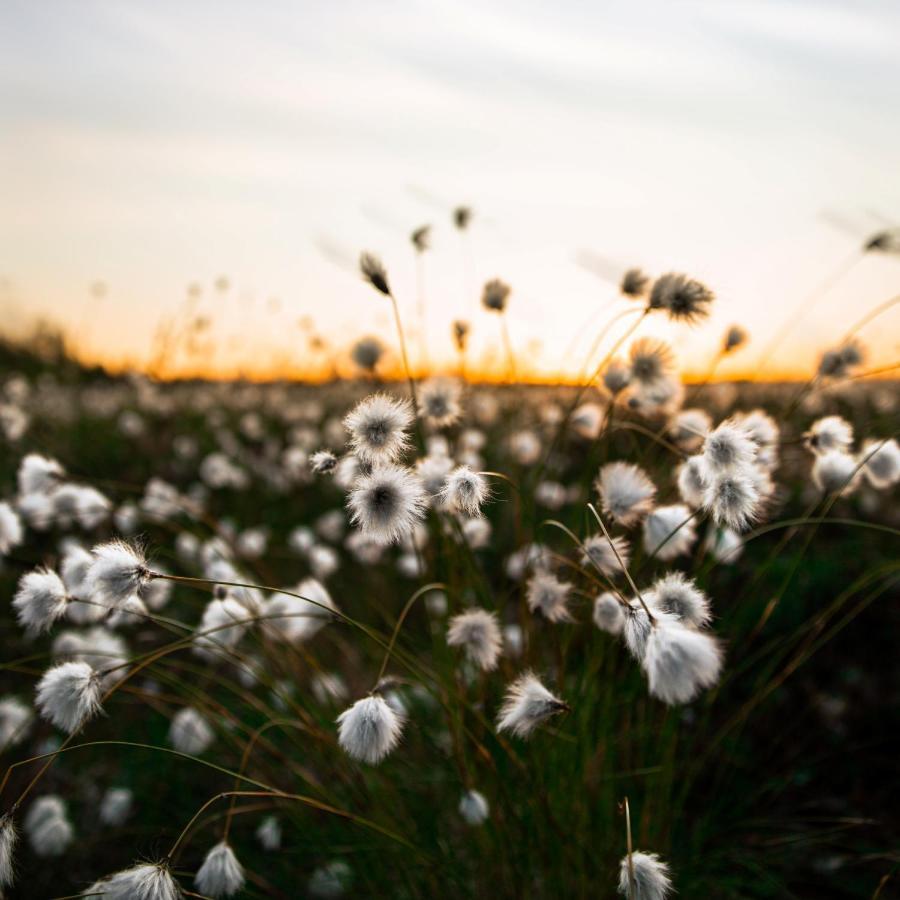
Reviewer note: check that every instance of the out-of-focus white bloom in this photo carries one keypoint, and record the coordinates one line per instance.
(377, 428)
(329, 687)
(513, 639)
(190, 733)
(40, 600)
(735, 337)
(115, 807)
(98, 647)
(837, 363)
(476, 532)
(331, 525)
(525, 447)
(494, 295)
(251, 543)
(478, 633)
(323, 462)
(36, 510)
(760, 427)
(68, 695)
(829, 433)
(146, 881)
(587, 420)
(269, 834)
(331, 880)
(651, 361)
(370, 729)
(439, 401)
(608, 558)
(549, 596)
(76, 562)
(465, 491)
(836, 472)
(474, 808)
(221, 875)
(15, 722)
(626, 492)
(531, 557)
(669, 531)
(526, 705)
(689, 428)
(11, 533)
(47, 825)
(733, 499)
(609, 614)
(367, 352)
(38, 474)
(650, 879)
(617, 377)
(880, 460)
(323, 560)
(222, 626)
(693, 478)
(724, 544)
(129, 614)
(387, 504)
(117, 573)
(295, 619)
(551, 494)
(348, 469)
(433, 469)
(728, 447)
(685, 299)
(678, 595)
(680, 661)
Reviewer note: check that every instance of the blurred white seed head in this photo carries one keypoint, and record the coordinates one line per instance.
(495, 295)
(221, 875)
(651, 879)
(15, 722)
(38, 474)
(733, 499)
(689, 428)
(474, 808)
(728, 447)
(387, 504)
(626, 492)
(40, 600)
(527, 705)
(829, 433)
(669, 531)
(367, 352)
(677, 595)
(651, 361)
(680, 662)
(836, 472)
(11, 532)
(190, 733)
(685, 299)
(693, 479)
(880, 460)
(465, 491)
(549, 596)
(476, 631)
(378, 428)
(115, 807)
(724, 545)
(68, 695)
(370, 729)
(146, 881)
(9, 837)
(609, 557)
(323, 462)
(47, 825)
(609, 613)
(617, 377)
(634, 283)
(439, 402)
(269, 834)
(735, 337)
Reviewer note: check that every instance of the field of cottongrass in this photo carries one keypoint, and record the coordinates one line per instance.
(434, 639)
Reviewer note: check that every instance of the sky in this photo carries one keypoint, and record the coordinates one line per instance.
(150, 145)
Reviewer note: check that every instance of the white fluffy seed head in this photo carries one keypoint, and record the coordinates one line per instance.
(377, 426)
(269, 834)
(9, 837)
(829, 433)
(880, 460)
(47, 825)
(323, 462)
(527, 704)
(370, 729)
(221, 875)
(474, 808)
(11, 531)
(693, 479)
(115, 807)
(626, 492)
(680, 662)
(836, 472)
(146, 881)
(478, 633)
(638, 625)
(439, 402)
(728, 447)
(40, 600)
(117, 573)
(68, 695)
(617, 377)
(190, 732)
(609, 613)
(549, 596)
(651, 362)
(464, 491)
(644, 877)
(733, 499)
(38, 474)
(609, 558)
(677, 595)
(689, 428)
(387, 504)
(669, 531)
(15, 722)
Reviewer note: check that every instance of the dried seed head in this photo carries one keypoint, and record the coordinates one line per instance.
(374, 272)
